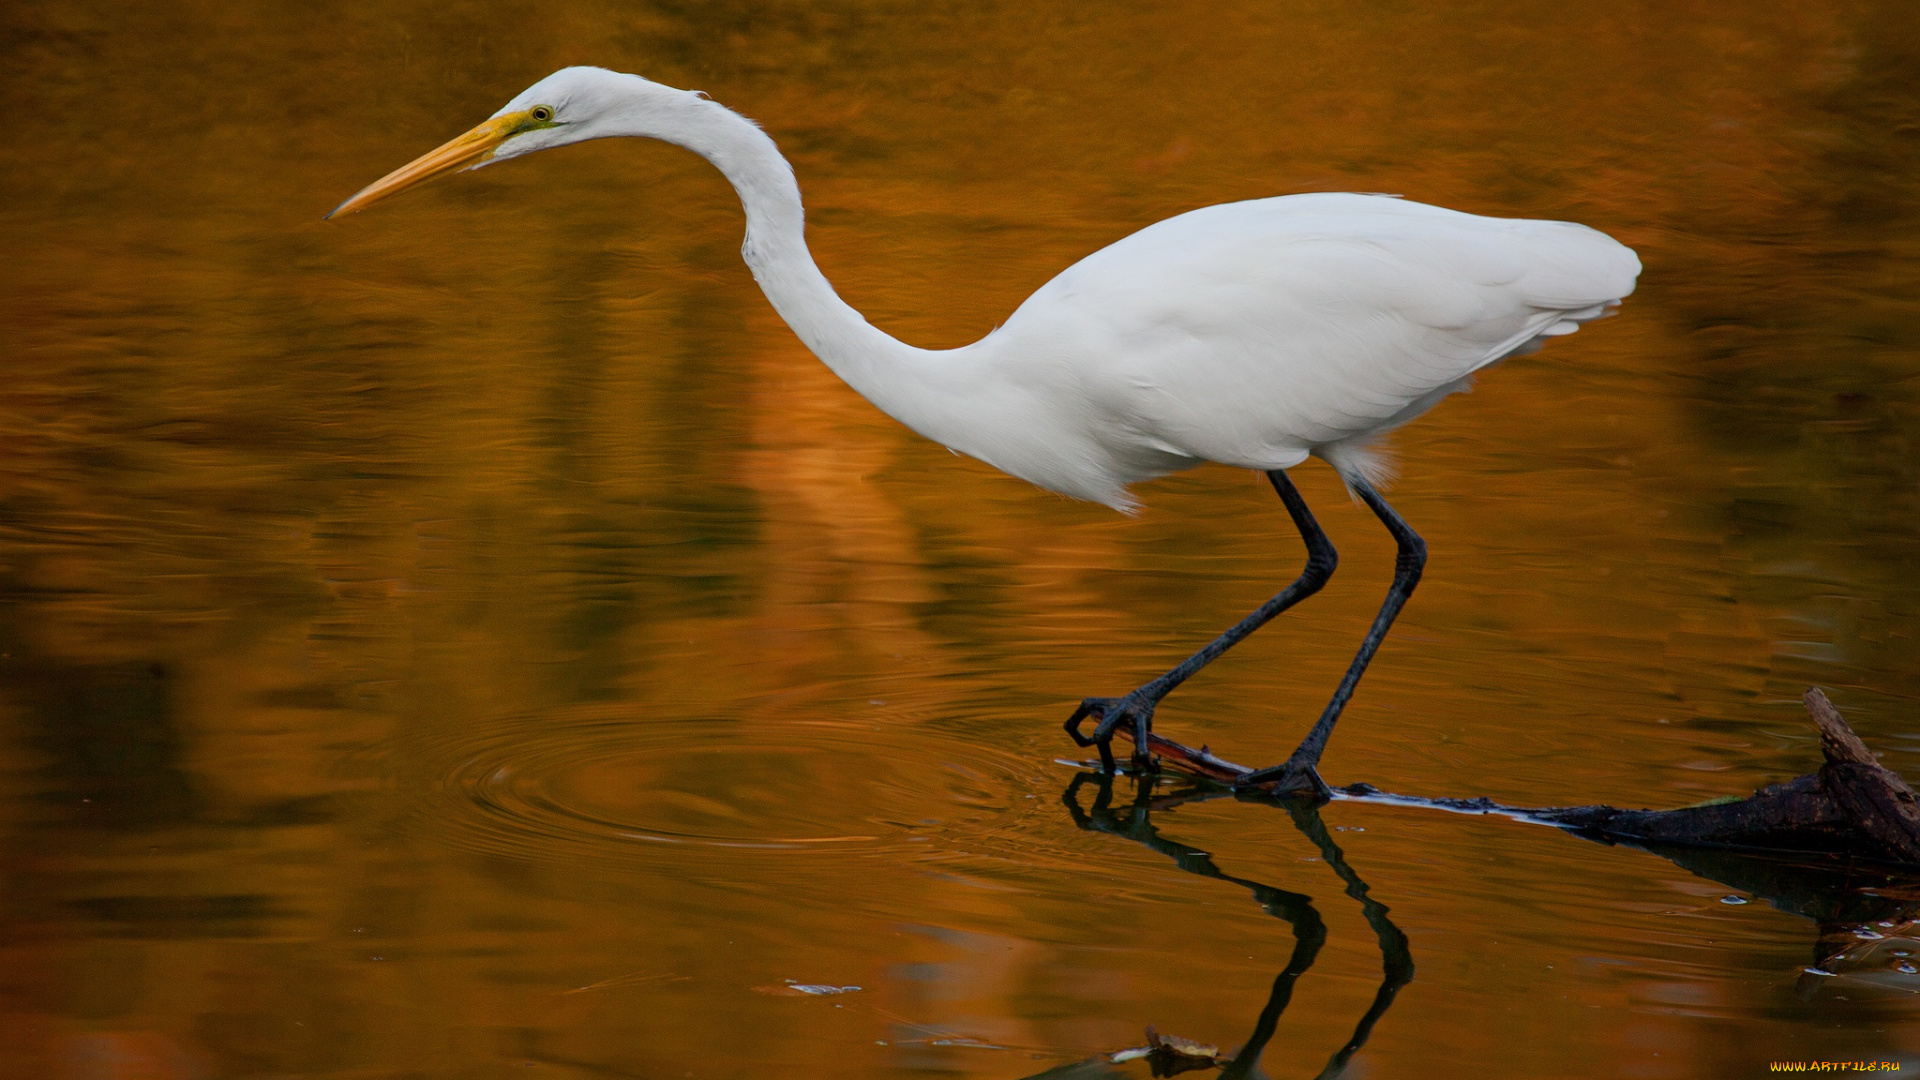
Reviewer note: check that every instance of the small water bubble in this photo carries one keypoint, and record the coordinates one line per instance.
(1901, 952)
(1905, 967)
(1733, 899)
(1865, 934)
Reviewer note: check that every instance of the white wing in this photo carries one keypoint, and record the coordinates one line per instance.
(1255, 333)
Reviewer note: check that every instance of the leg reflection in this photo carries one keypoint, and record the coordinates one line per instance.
(1395, 954)
(1309, 931)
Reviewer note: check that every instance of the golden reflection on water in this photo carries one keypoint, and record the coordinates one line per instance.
(476, 636)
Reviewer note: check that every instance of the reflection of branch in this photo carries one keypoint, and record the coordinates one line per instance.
(1296, 909)
(1839, 846)
(1853, 806)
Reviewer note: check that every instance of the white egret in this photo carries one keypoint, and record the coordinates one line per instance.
(1253, 334)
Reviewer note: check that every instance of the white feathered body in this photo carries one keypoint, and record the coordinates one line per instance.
(1257, 333)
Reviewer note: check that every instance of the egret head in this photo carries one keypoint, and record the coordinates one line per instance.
(571, 105)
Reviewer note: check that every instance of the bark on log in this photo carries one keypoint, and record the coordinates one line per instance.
(1853, 806)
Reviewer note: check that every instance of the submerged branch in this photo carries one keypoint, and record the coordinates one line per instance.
(1852, 807)
(1839, 846)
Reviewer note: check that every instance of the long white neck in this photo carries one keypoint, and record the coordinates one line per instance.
(914, 386)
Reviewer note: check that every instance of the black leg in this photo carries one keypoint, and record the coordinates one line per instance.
(1299, 772)
(1137, 708)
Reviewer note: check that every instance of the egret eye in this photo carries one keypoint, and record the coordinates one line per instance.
(543, 113)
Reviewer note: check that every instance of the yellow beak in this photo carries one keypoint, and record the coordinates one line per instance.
(471, 149)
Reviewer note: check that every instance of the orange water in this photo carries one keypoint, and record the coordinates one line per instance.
(474, 639)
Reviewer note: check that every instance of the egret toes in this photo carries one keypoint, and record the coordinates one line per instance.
(1291, 778)
(1109, 713)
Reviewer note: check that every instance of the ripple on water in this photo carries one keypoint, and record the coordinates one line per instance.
(623, 788)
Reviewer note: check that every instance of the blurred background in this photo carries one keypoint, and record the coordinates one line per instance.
(474, 637)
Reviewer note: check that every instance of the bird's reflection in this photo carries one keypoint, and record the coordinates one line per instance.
(1134, 821)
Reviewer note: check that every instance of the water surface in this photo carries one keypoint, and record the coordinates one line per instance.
(474, 638)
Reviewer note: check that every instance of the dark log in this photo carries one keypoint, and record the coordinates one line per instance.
(1853, 807)
(1873, 796)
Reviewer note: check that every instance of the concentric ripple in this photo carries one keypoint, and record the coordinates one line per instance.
(621, 787)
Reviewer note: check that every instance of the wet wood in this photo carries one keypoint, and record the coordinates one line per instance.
(1853, 806)
(1874, 797)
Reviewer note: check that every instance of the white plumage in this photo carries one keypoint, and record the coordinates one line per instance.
(1252, 334)
(1256, 333)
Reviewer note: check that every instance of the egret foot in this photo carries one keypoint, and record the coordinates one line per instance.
(1136, 708)
(1294, 777)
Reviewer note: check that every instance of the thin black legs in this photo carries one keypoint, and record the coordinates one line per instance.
(1298, 772)
(1137, 708)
